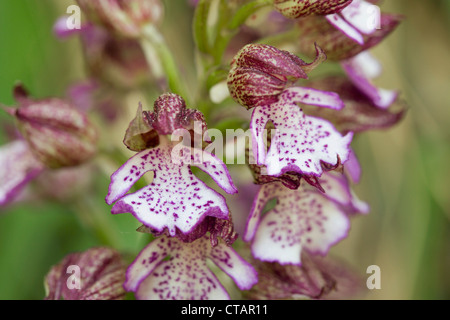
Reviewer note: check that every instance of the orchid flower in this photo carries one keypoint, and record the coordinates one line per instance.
(170, 269)
(302, 144)
(176, 200)
(260, 79)
(302, 220)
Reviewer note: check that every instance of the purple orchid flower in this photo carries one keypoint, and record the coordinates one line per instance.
(185, 274)
(176, 200)
(302, 220)
(302, 144)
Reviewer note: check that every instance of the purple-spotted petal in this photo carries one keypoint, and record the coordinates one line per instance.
(301, 143)
(301, 220)
(234, 266)
(313, 97)
(170, 269)
(176, 199)
(218, 170)
(290, 179)
(360, 70)
(17, 167)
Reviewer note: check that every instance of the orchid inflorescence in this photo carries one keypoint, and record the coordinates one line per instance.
(269, 231)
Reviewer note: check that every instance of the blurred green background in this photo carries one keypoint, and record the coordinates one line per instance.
(405, 169)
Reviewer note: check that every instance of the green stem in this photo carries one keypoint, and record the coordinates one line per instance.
(200, 24)
(246, 11)
(232, 28)
(160, 57)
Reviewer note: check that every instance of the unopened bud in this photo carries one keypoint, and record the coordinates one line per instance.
(170, 113)
(58, 134)
(294, 9)
(126, 17)
(96, 274)
(260, 73)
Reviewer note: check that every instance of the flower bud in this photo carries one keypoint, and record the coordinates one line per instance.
(170, 113)
(58, 134)
(294, 9)
(126, 17)
(96, 274)
(260, 73)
